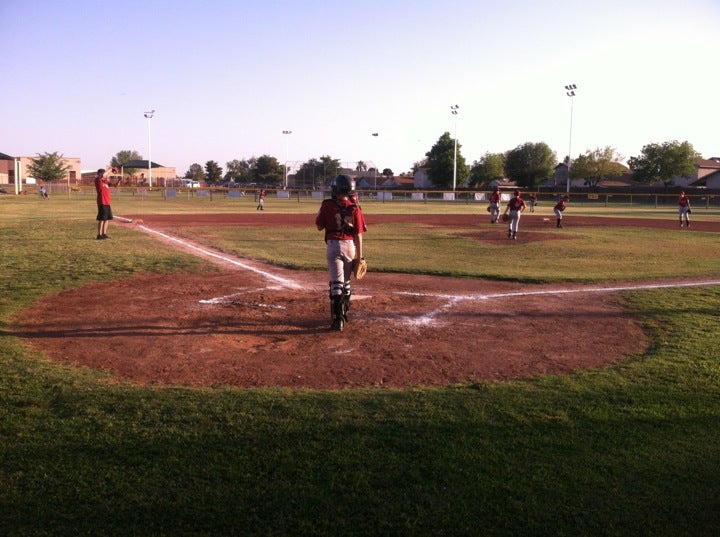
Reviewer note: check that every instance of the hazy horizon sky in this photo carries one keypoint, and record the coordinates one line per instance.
(225, 78)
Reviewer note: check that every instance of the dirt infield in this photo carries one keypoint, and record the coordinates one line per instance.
(257, 325)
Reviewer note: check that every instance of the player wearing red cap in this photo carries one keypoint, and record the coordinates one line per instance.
(494, 207)
(559, 208)
(515, 207)
(684, 209)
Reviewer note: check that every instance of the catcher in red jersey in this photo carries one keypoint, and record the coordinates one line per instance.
(515, 208)
(344, 225)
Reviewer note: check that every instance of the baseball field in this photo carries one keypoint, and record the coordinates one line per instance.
(180, 378)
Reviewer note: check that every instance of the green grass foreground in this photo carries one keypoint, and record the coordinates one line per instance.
(630, 450)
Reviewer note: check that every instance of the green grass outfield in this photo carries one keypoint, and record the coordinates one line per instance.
(628, 450)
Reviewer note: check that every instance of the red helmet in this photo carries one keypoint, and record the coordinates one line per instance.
(517, 193)
(496, 188)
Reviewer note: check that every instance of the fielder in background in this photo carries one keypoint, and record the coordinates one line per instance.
(494, 207)
(533, 202)
(515, 208)
(261, 200)
(559, 208)
(104, 215)
(684, 209)
(343, 223)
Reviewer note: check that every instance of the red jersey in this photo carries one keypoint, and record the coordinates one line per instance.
(683, 201)
(560, 205)
(102, 187)
(516, 204)
(494, 197)
(341, 219)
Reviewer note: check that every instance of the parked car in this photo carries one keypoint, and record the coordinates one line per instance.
(188, 183)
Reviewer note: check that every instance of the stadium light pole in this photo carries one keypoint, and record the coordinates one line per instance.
(149, 116)
(286, 155)
(454, 110)
(570, 91)
(375, 134)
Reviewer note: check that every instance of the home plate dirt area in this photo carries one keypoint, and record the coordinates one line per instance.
(258, 325)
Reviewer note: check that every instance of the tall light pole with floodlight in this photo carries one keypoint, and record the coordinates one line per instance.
(286, 156)
(375, 134)
(454, 110)
(149, 116)
(570, 91)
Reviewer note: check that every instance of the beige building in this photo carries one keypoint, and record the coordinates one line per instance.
(8, 163)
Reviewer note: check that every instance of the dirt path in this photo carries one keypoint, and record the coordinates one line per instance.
(257, 325)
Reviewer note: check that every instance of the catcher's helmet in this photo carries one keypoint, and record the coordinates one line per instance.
(342, 185)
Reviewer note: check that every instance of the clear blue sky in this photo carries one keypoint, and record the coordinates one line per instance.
(227, 77)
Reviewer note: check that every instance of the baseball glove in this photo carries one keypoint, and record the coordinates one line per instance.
(689, 210)
(360, 268)
(488, 208)
(505, 217)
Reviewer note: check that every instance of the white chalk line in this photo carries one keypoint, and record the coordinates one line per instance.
(639, 287)
(229, 298)
(285, 282)
(430, 317)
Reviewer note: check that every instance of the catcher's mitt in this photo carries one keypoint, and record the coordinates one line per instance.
(360, 268)
(505, 217)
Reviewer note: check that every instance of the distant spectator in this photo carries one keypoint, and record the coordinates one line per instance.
(43, 193)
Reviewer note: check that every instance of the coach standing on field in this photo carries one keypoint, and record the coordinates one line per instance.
(104, 215)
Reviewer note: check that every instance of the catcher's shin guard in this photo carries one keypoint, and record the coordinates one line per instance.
(336, 312)
(347, 292)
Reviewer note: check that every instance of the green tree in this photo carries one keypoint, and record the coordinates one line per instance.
(239, 171)
(317, 172)
(268, 170)
(49, 167)
(213, 172)
(597, 165)
(195, 172)
(490, 167)
(530, 164)
(122, 158)
(662, 162)
(387, 172)
(441, 160)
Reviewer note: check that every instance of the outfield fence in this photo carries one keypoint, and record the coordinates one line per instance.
(466, 197)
